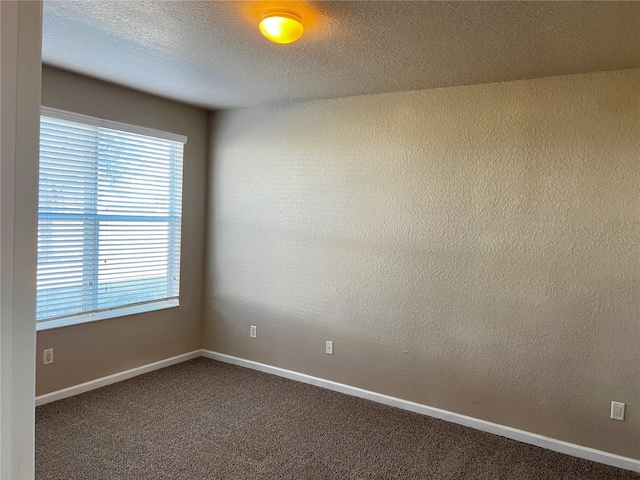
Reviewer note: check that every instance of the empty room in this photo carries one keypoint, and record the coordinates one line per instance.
(320, 240)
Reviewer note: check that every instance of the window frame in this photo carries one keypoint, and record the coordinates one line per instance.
(133, 309)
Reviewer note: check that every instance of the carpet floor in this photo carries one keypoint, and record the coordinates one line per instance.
(204, 419)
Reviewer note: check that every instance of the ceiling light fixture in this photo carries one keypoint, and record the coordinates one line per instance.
(281, 26)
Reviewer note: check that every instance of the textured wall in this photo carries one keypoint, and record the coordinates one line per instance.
(473, 248)
(92, 350)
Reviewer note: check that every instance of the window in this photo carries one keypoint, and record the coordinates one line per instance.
(109, 219)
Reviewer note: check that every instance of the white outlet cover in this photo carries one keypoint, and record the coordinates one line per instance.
(329, 347)
(253, 331)
(47, 356)
(617, 410)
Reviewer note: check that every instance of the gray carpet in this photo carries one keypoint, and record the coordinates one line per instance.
(208, 420)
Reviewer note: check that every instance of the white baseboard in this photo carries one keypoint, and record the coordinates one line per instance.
(494, 428)
(116, 377)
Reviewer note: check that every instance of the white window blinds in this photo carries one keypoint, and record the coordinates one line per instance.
(109, 219)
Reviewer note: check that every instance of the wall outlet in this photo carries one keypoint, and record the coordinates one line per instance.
(329, 347)
(617, 410)
(47, 356)
(253, 332)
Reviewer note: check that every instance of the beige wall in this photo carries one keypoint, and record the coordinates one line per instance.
(92, 350)
(473, 249)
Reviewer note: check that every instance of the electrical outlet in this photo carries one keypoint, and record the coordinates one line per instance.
(253, 332)
(329, 347)
(47, 356)
(617, 410)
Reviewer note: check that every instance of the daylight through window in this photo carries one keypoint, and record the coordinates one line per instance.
(109, 219)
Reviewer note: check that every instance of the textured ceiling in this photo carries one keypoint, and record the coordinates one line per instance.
(210, 53)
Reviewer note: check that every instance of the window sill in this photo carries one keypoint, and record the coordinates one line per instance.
(120, 312)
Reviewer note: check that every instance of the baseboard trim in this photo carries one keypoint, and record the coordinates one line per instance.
(482, 425)
(494, 428)
(116, 377)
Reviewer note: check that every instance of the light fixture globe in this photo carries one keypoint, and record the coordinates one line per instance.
(281, 26)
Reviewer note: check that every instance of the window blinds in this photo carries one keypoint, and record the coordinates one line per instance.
(109, 219)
